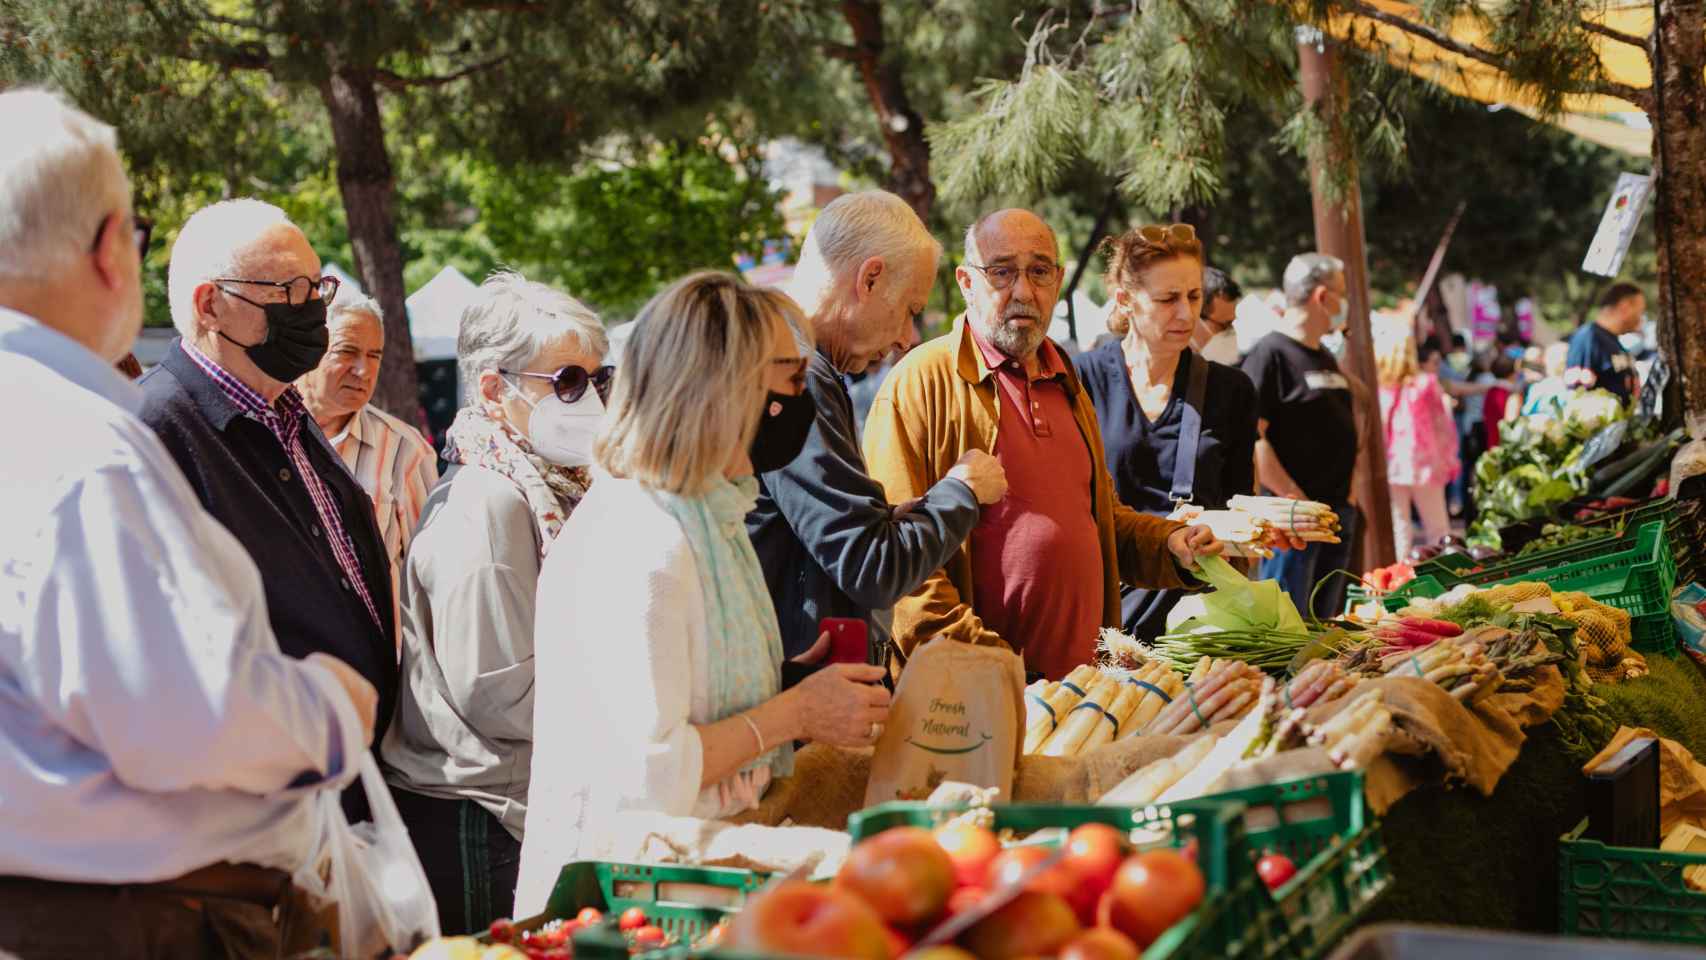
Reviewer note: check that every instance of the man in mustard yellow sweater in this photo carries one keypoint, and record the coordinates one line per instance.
(1041, 571)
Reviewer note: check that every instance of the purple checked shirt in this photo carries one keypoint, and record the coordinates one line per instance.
(285, 420)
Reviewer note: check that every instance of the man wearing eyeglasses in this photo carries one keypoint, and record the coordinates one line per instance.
(250, 305)
(159, 756)
(1041, 571)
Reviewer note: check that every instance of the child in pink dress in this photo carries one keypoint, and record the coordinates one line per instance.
(1421, 439)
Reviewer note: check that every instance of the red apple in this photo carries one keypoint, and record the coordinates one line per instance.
(1032, 925)
(904, 874)
(1151, 892)
(1100, 944)
(805, 919)
(970, 847)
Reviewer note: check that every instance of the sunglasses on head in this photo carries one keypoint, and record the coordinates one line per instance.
(569, 383)
(1166, 234)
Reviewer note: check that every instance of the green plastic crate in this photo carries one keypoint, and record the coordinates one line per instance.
(685, 902)
(1635, 572)
(1229, 921)
(1323, 824)
(1627, 893)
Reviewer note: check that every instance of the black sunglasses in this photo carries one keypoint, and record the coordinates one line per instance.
(142, 230)
(570, 382)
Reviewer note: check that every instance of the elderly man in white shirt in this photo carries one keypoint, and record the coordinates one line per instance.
(158, 755)
(390, 459)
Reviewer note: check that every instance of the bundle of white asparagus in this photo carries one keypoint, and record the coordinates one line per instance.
(1216, 690)
(1459, 664)
(1322, 681)
(1243, 534)
(1352, 737)
(1306, 520)
(1092, 707)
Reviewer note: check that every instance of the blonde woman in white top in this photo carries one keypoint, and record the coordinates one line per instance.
(658, 658)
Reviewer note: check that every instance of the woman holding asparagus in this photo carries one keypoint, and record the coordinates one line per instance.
(1178, 428)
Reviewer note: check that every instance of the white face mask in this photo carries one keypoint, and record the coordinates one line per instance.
(562, 432)
(1222, 348)
(1342, 315)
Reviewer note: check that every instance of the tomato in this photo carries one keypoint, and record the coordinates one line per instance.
(1093, 853)
(589, 916)
(1275, 869)
(633, 918)
(964, 899)
(903, 873)
(970, 847)
(1151, 892)
(1009, 865)
(648, 937)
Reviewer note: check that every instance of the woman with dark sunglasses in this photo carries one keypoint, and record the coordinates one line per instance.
(459, 754)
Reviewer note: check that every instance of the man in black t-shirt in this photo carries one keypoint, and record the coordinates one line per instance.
(1595, 350)
(1307, 424)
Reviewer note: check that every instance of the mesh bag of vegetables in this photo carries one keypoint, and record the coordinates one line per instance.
(1604, 634)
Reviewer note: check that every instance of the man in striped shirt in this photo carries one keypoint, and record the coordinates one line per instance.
(248, 299)
(390, 459)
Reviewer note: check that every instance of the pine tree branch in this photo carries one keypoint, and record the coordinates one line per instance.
(1445, 41)
(396, 81)
(1617, 35)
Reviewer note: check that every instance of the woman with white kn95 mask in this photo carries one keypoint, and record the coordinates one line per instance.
(459, 755)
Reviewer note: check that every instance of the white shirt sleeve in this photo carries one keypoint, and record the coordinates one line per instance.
(145, 643)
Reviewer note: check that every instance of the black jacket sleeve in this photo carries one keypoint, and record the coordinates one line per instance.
(874, 552)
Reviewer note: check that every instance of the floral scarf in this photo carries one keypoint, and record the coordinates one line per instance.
(552, 491)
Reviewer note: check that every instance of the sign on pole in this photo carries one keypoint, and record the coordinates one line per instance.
(1617, 228)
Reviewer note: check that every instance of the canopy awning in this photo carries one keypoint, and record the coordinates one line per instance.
(1596, 117)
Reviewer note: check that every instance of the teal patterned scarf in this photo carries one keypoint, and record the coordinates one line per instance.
(745, 643)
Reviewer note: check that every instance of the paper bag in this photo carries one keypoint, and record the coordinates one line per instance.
(958, 714)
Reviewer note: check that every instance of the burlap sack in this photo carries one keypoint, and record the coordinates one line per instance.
(1437, 738)
(958, 714)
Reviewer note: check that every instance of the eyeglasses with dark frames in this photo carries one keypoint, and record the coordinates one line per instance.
(297, 290)
(1043, 276)
(570, 383)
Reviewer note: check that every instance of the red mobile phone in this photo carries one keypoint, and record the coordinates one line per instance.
(849, 639)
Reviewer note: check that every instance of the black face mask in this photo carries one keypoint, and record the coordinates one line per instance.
(782, 430)
(296, 339)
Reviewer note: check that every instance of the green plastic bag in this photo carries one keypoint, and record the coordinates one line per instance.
(1235, 603)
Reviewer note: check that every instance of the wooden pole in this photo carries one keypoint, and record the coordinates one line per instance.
(1339, 232)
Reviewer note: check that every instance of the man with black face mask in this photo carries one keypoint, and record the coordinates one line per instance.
(249, 300)
(829, 541)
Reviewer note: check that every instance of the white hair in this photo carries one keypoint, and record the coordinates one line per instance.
(350, 300)
(854, 227)
(60, 177)
(1305, 272)
(514, 319)
(207, 247)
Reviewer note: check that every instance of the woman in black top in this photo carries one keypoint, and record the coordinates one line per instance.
(1150, 411)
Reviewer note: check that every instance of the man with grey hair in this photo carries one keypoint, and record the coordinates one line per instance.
(830, 543)
(390, 459)
(1306, 424)
(249, 300)
(159, 756)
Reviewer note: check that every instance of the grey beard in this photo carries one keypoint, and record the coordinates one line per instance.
(1018, 343)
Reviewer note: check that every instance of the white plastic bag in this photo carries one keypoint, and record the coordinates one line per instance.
(372, 873)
